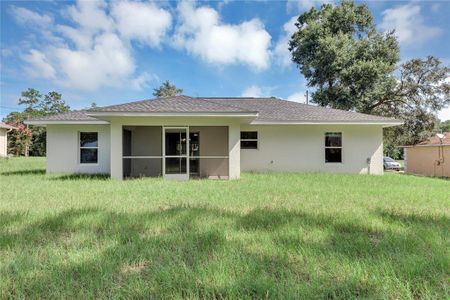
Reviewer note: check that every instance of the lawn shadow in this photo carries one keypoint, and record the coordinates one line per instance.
(24, 172)
(436, 220)
(80, 177)
(199, 252)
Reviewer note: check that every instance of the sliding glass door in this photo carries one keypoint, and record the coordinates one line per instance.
(176, 162)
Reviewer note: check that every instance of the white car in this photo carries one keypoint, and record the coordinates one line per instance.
(390, 164)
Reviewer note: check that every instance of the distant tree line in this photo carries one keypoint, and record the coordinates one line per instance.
(28, 139)
(31, 140)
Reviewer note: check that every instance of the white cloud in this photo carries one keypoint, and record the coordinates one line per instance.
(252, 91)
(281, 51)
(108, 63)
(96, 50)
(201, 32)
(30, 18)
(144, 22)
(298, 97)
(91, 15)
(257, 91)
(304, 5)
(444, 114)
(142, 81)
(41, 66)
(409, 25)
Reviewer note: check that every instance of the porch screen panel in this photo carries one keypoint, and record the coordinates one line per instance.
(142, 167)
(208, 151)
(142, 151)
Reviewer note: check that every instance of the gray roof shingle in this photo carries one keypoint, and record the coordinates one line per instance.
(268, 110)
(173, 104)
(75, 115)
(274, 109)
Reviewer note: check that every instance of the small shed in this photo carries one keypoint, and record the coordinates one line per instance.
(4, 129)
(430, 157)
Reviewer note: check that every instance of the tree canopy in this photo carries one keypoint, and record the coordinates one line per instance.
(167, 90)
(352, 66)
(32, 138)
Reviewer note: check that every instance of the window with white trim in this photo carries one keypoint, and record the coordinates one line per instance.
(249, 140)
(333, 147)
(88, 147)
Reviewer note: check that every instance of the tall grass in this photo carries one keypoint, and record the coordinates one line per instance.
(263, 236)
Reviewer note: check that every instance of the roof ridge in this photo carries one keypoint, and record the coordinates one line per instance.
(139, 101)
(338, 109)
(226, 105)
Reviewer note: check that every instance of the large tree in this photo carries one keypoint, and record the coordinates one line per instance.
(167, 90)
(352, 66)
(31, 139)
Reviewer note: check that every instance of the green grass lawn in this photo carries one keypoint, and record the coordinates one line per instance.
(263, 236)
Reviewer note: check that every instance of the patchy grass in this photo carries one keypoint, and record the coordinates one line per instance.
(264, 236)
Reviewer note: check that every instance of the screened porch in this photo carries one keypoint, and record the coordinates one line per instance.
(175, 152)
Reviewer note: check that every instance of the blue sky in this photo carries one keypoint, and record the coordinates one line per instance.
(115, 52)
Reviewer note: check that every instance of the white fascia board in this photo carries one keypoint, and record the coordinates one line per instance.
(382, 123)
(99, 122)
(181, 114)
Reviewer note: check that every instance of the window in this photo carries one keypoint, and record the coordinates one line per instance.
(333, 147)
(88, 147)
(249, 140)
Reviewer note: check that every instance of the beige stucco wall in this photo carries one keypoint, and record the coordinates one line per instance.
(283, 148)
(301, 148)
(423, 161)
(3, 141)
(63, 149)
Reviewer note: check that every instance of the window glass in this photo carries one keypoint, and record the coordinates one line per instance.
(88, 155)
(249, 144)
(88, 139)
(88, 147)
(333, 147)
(333, 155)
(249, 135)
(333, 139)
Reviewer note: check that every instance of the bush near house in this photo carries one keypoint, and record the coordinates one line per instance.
(264, 236)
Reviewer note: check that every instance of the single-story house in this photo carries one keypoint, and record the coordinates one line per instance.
(185, 137)
(4, 129)
(430, 157)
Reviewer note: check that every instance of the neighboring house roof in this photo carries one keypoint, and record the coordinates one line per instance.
(434, 141)
(6, 126)
(262, 111)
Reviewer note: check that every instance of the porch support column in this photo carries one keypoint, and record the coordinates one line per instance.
(234, 150)
(116, 150)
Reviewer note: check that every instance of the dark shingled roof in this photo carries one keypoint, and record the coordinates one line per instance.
(268, 109)
(274, 109)
(177, 104)
(436, 141)
(75, 115)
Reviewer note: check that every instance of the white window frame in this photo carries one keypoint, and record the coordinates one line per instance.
(334, 147)
(249, 140)
(83, 147)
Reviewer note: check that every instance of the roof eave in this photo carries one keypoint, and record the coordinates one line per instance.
(65, 122)
(325, 122)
